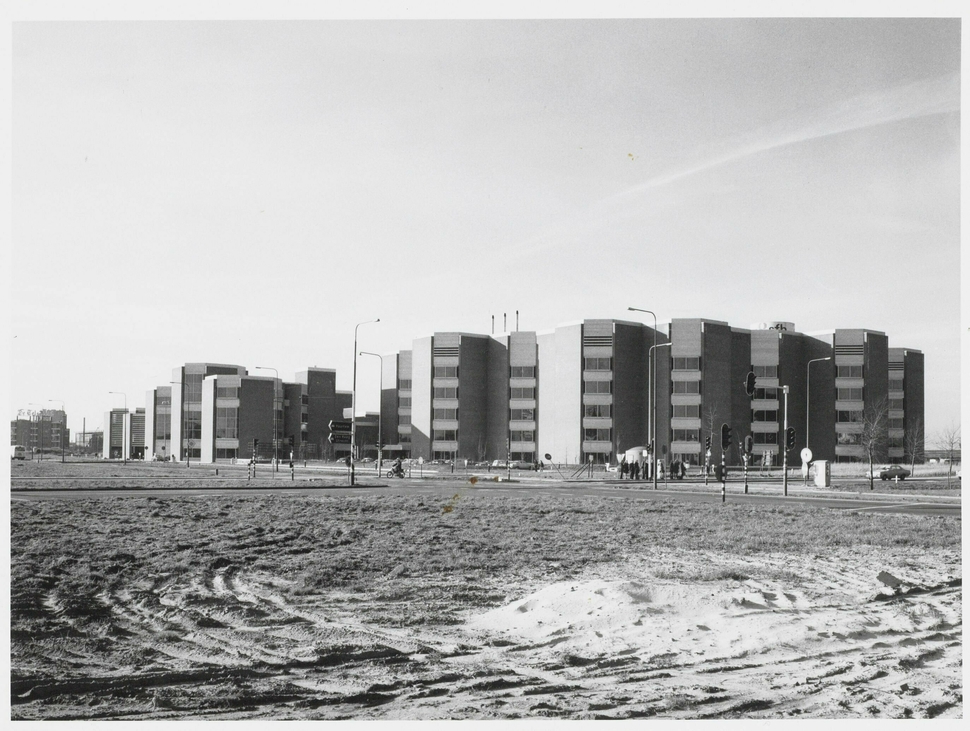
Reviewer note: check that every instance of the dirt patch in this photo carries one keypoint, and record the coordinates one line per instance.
(506, 606)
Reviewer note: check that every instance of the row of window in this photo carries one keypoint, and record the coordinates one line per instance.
(446, 371)
(849, 371)
(598, 364)
(765, 371)
(522, 414)
(522, 392)
(848, 394)
(522, 435)
(445, 435)
(687, 364)
(597, 410)
(446, 414)
(445, 392)
(227, 392)
(523, 372)
(597, 435)
(227, 423)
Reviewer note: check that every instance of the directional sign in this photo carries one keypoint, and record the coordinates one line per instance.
(341, 427)
(339, 438)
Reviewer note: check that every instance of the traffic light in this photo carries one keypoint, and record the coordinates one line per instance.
(725, 436)
(749, 383)
(255, 445)
(790, 438)
(748, 444)
(291, 441)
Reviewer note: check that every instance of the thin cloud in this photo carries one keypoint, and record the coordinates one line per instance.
(911, 101)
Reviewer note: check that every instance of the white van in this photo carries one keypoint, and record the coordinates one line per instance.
(17, 452)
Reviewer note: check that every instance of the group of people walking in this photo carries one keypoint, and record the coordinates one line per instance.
(635, 469)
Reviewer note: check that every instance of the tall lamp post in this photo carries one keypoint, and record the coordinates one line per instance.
(276, 435)
(652, 400)
(63, 426)
(353, 402)
(808, 392)
(124, 447)
(380, 393)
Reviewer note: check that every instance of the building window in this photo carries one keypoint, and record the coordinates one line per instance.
(848, 417)
(404, 402)
(163, 401)
(445, 392)
(446, 414)
(896, 442)
(765, 371)
(404, 438)
(523, 371)
(765, 437)
(227, 423)
(687, 386)
(404, 384)
(597, 386)
(304, 418)
(163, 426)
(304, 399)
(848, 437)
(687, 435)
(848, 371)
(522, 436)
(226, 453)
(690, 411)
(522, 415)
(598, 364)
(764, 415)
(517, 392)
(446, 371)
(597, 435)
(766, 393)
(227, 392)
(896, 424)
(896, 404)
(687, 364)
(895, 384)
(445, 435)
(849, 394)
(597, 410)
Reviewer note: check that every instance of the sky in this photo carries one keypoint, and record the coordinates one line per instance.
(248, 192)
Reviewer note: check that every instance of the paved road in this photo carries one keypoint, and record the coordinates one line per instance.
(761, 494)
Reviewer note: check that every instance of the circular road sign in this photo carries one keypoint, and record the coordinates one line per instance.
(806, 455)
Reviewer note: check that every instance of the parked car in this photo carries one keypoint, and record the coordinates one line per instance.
(894, 471)
(501, 463)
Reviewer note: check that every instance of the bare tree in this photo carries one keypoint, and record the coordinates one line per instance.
(913, 440)
(874, 435)
(948, 440)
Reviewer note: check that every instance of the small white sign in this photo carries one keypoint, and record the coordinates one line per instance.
(806, 455)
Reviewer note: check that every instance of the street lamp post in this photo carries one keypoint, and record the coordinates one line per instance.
(808, 392)
(63, 427)
(653, 386)
(380, 440)
(124, 447)
(276, 435)
(353, 402)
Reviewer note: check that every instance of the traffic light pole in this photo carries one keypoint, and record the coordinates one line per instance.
(784, 458)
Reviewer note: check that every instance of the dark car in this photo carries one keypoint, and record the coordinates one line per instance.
(891, 473)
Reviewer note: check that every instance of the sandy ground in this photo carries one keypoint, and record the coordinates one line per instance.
(673, 634)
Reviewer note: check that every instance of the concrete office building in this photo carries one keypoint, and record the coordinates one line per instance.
(311, 402)
(396, 395)
(124, 434)
(235, 410)
(186, 404)
(45, 431)
(906, 433)
(158, 423)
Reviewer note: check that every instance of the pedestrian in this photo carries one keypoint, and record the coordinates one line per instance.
(623, 466)
(634, 470)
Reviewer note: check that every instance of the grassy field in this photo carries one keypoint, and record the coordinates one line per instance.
(119, 602)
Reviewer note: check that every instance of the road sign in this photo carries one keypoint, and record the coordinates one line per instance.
(339, 438)
(806, 455)
(341, 427)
